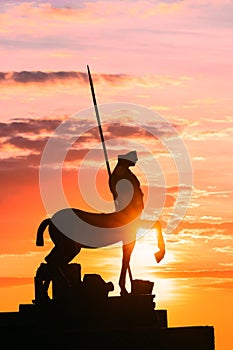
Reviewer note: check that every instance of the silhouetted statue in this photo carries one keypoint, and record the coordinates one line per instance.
(95, 288)
(128, 196)
(66, 225)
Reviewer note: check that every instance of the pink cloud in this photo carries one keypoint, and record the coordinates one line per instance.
(106, 35)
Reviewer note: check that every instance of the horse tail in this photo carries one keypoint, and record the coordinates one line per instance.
(40, 232)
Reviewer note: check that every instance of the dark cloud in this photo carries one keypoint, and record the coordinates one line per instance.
(41, 77)
(63, 4)
(160, 129)
(113, 78)
(115, 130)
(149, 131)
(25, 143)
(25, 134)
(28, 126)
(25, 77)
(74, 155)
(2, 76)
(14, 164)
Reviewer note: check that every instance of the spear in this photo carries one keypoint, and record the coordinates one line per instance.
(98, 120)
(102, 140)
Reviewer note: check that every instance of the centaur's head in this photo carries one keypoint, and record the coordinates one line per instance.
(128, 159)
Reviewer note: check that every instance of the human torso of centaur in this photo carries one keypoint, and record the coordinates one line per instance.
(126, 190)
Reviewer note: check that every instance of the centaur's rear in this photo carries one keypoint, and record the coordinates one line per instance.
(64, 250)
(73, 229)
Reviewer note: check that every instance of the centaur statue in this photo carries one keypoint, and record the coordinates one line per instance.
(72, 229)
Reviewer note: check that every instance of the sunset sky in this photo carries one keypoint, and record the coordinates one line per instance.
(168, 62)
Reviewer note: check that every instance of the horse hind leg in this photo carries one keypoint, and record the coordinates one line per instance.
(62, 254)
(41, 282)
(59, 257)
(58, 260)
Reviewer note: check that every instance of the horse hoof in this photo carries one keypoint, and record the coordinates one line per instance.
(124, 292)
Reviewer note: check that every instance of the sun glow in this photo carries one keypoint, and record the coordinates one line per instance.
(164, 290)
(144, 266)
(145, 248)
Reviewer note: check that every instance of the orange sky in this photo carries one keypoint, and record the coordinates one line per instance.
(172, 62)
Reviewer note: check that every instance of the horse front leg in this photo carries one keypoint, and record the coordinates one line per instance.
(127, 251)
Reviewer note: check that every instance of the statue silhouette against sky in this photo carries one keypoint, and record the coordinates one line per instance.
(68, 226)
(128, 196)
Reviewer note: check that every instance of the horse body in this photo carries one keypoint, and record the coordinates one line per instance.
(72, 229)
(90, 230)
